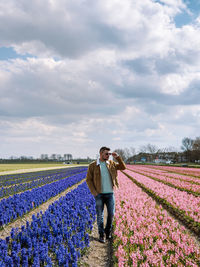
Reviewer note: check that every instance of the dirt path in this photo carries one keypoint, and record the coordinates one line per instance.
(98, 254)
(28, 217)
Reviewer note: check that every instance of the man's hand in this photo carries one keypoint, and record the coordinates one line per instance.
(115, 155)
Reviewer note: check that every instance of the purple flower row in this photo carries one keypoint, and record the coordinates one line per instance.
(12, 179)
(7, 191)
(56, 238)
(16, 206)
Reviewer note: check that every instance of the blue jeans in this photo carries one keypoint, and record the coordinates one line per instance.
(109, 200)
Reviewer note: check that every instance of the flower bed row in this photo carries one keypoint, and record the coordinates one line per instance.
(16, 206)
(181, 185)
(181, 177)
(144, 233)
(188, 171)
(13, 179)
(7, 179)
(181, 204)
(56, 238)
(7, 191)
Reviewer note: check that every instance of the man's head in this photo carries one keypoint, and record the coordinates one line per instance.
(104, 153)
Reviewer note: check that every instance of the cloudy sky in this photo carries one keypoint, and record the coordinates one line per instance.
(79, 74)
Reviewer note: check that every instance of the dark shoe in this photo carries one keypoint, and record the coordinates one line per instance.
(101, 239)
(108, 236)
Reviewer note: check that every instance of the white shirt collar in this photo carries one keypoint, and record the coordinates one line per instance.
(98, 161)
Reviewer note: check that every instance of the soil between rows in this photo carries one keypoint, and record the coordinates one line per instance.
(98, 254)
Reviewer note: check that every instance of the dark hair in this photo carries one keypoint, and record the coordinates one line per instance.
(104, 148)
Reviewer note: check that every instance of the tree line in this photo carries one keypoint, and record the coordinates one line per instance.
(190, 152)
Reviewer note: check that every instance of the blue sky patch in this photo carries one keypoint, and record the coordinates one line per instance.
(183, 19)
(7, 53)
(186, 18)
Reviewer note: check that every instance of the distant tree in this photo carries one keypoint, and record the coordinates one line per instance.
(143, 149)
(13, 157)
(23, 157)
(58, 157)
(126, 153)
(150, 150)
(187, 146)
(44, 156)
(196, 144)
(70, 156)
(196, 149)
(53, 157)
(169, 149)
(67, 157)
(132, 151)
(121, 153)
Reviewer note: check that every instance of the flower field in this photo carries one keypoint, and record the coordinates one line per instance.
(145, 234)
(185, 206)
(187, 171)
(19, 204)
(56, 237)
(157, 218)
(182, 182)
(12, 184)
(23, 178)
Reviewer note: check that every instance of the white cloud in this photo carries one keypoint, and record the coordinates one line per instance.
(103, 72)
(174, 84)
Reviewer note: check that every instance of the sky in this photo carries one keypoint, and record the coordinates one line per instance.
(78, 75)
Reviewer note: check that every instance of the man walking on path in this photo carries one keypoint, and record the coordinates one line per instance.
(101, 179)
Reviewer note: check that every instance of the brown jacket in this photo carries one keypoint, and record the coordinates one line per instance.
(93, 178)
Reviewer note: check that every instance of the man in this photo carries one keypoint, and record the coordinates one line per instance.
(101, 179)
